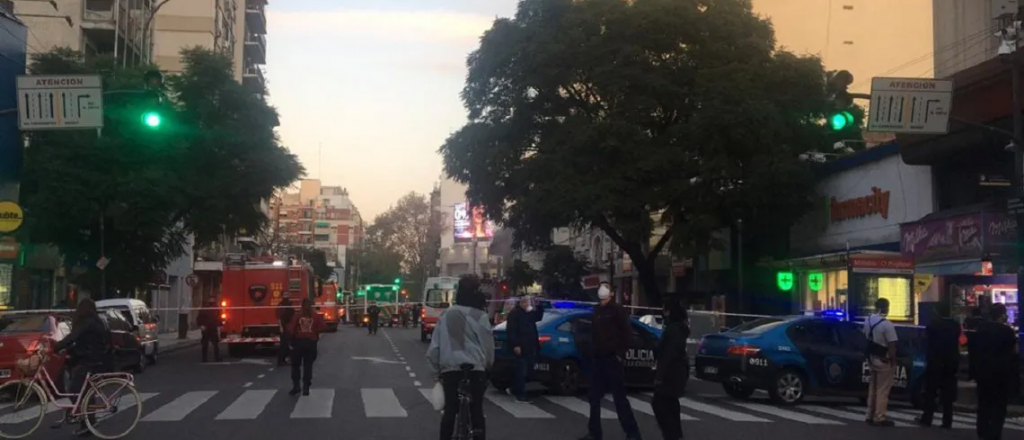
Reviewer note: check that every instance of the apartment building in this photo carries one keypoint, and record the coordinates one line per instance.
(318, 216)
(137, 31)
(459, 253)
(965, 32)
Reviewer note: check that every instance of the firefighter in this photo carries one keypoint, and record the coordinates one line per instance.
(209, 325)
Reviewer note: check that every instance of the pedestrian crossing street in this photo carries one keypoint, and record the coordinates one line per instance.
(386, 403)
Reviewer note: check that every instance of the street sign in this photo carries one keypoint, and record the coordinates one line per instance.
(1015, 206)
(11, 217)
(910, 105)
(192, 280)
(53, 102)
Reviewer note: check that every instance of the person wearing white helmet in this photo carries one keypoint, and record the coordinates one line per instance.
(611, 334)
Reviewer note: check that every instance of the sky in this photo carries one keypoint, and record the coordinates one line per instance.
(368, 91)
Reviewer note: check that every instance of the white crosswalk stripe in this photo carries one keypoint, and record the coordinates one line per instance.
(390, 403)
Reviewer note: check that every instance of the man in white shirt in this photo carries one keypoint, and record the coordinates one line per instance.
(881, 357)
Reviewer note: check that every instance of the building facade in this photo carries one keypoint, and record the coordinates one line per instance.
(466, 234)
(317, 216)
(964, 32)
(846, 252)
(117, 27)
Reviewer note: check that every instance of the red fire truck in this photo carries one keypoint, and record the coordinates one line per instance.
(250, 294)
(327, 305)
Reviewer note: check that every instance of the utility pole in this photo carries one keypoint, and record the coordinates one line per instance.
(1008, 48)
(739, 263)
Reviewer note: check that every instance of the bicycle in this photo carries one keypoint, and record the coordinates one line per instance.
(40, 389)
(463, 419)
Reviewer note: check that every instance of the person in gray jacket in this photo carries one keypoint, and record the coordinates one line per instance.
(463, 336)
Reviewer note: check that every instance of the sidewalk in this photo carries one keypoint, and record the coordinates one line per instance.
(169, 341)
(967, 401)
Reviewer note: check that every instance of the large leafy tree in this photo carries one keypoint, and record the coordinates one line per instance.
(649, 118)
(404, 229)
(148, 191)
(371, 264)
(562, 273)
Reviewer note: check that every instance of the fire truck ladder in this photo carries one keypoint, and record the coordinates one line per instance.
(295, 282)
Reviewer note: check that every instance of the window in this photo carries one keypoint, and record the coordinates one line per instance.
(25, 324)
(439, 297)
(896, 289)
(124, 313)
(812, 332)
(758, 326)
(851, 335)
(144, 315)
(548, 317)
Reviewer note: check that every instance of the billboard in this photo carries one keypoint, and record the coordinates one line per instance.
(469, 222)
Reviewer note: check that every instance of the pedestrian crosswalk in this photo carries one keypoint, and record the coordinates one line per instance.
(402, 403)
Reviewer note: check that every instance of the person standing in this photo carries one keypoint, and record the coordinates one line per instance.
(996, 353)
(209, 325)
(611, 334)
(943, 362)
(463, 336)
(90, 349)
(524, 340)
(305, 330)
(374, 313)
(881, 357)
(285, 314)
(672, 370)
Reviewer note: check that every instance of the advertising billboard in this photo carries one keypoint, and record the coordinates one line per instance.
(469, 222)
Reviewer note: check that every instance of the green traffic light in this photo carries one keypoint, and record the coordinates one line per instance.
(840, 121)
(152, 119)
(398, 281)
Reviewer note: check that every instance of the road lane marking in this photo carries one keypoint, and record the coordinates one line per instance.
(717, 411)
(317, 405)
(412, 374)
(382, 402)
(179, 408)
(247, 385)
(786, 414)
(503, 401)
(577, 405)
(644, 407)
(895, 415)
(248, 406)
(408, 368)
(416, 383)
(261, 376)
(847, 415)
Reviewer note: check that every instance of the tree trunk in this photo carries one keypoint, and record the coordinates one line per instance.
(647, 275)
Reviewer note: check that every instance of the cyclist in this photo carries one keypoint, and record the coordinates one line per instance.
(463, 336)
(90, 350)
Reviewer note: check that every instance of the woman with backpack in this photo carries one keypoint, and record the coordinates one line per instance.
(304, 332)
(672, 370)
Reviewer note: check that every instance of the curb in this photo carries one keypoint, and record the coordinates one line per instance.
(1014, 411)
(180, 346)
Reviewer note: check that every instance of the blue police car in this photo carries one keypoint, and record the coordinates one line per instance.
(565, 334)
(791, 357)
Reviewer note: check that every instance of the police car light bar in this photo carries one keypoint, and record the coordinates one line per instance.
(838, 314)
(571, 305)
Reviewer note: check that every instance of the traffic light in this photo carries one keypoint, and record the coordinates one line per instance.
(152, 119)
(840, 118)
(784, 280)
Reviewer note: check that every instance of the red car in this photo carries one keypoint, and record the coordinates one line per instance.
(20, 334)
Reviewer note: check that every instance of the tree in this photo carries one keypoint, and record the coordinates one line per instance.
(563, 272)
(372, 265)
(521, 275)
(404, 229)
(148, 190)
(636, 118)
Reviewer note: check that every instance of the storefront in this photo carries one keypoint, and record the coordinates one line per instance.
(848, 249)
(970, 255)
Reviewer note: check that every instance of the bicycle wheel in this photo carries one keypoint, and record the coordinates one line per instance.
(114, 405)
(23, 406)
(463, 421)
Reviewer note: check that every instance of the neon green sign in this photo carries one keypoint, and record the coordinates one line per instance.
(784, 280)
(815, 280)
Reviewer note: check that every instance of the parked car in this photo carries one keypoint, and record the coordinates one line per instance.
(142, 322)
(20, 335)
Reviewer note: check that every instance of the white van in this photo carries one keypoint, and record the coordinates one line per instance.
(143, 322)
(438, 295)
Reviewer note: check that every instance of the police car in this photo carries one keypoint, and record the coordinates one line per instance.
(565, 334)
(791, 357)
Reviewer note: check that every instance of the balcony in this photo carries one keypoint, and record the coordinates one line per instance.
(256, 16)
(98, 14)
(253, 78)
(256, 48)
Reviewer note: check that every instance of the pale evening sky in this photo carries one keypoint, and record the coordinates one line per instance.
(377, 82)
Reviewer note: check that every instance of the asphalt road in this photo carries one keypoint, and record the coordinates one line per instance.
(372, 387)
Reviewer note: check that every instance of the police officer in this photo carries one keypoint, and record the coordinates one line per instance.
(943, 356)
(995, 350)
